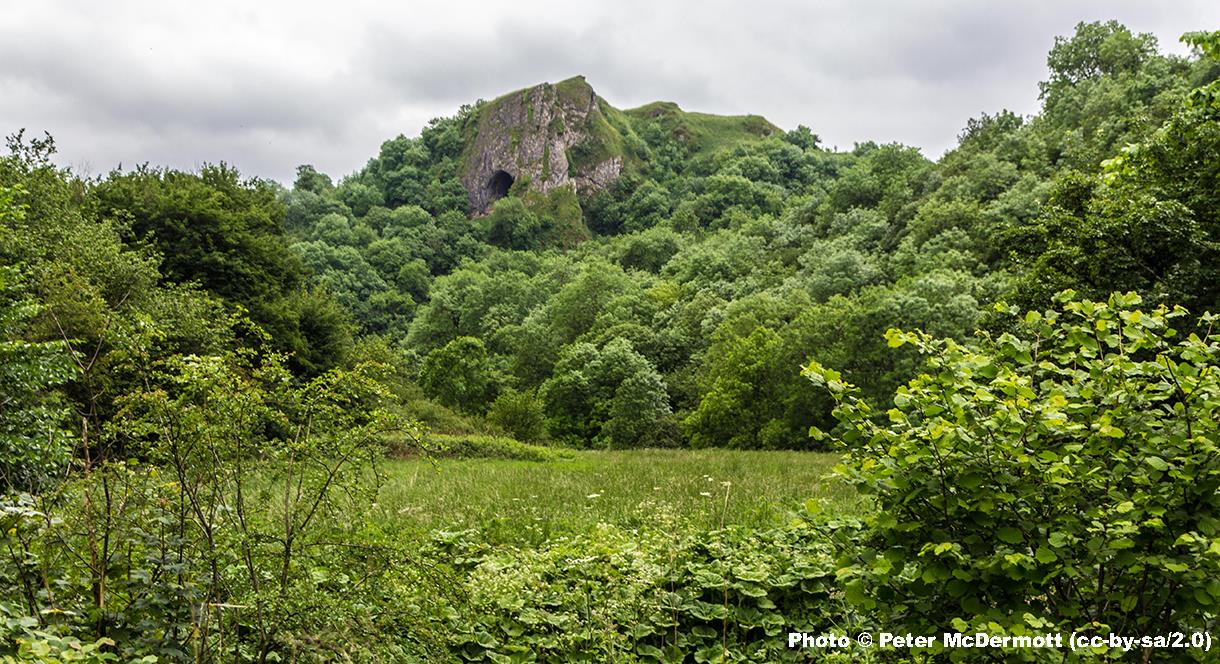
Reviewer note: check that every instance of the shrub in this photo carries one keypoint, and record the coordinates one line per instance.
(1061, 477)
(488, 447)
(520, 414)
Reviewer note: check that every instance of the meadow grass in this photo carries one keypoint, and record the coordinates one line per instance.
(524, 502)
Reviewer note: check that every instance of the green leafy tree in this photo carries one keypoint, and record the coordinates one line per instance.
(739, 405)
(359, 197)
(520, 414)
(1147, 221)
(1096, 49)
(458, 375)
(34, 446)
(96, 297)
(512, 225)
(224, 425)
(309, 179)
(225, 234)
(609, 397)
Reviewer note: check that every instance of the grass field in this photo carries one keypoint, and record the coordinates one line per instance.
(526, 502)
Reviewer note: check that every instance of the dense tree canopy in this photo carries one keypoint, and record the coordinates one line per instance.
(709, 274)
(726, 269)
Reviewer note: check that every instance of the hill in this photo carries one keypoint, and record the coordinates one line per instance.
(564, 134)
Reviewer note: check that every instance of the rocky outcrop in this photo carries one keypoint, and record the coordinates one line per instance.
(552, 135)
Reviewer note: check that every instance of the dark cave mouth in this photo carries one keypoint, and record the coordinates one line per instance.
(499, 184)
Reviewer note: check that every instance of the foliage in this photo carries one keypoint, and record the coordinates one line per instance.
(239, 551)
(1061, 477)
(722, 596)
(473, 446)
(520, 414)
(712, 212)
(458, 375)
(34, 446)
(223, 233)
(512, 225)
(94, 296)
(611, 396)
(1146, 222)
(227, 354)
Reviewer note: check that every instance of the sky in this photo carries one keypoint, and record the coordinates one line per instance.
(268, 85)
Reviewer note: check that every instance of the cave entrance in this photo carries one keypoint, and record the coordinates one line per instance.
(499, 184)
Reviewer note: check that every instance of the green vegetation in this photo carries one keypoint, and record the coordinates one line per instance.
(477, 446)
(1059, 476)
(33, 444)
(349, 422)
(518, 494)
(704, 133)
(574, 91)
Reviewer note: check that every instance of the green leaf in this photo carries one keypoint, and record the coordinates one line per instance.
(1009, 535)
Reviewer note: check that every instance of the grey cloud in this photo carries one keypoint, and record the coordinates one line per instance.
(455, 69)
(269, 85)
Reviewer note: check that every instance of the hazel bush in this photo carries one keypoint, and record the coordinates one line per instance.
(1059, 477)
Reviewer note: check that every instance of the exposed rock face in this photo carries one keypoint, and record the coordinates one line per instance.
(553, 135)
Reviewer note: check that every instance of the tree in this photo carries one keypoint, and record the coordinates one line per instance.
(803, 138)
(458, 375)
(520, 414)
(224, 424)
(309, 179)
(1096, 49)
(98, 298)
(358, 196)
(1147, 221)
(226, 235)
(1107, 88)
(609, 397)
(740, 402)
(512, 225)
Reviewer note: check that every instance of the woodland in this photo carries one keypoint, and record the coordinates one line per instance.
(756, 385)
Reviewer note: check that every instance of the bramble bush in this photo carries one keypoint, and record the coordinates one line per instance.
(1060, 477)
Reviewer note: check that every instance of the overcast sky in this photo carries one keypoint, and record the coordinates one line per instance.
(269, 85)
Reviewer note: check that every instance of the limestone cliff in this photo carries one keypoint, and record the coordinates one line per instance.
(554, 135)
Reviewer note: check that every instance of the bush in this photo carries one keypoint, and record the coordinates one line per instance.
(520, 414)
(489, 447)
(438, 417)
(1060, 478)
